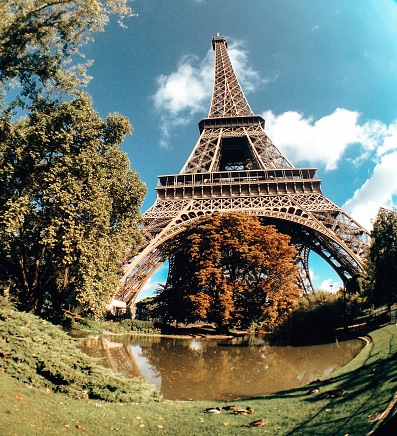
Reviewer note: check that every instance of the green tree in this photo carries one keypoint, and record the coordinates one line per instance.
(40, 42)
(69, 201)
(146, 309)
(381, 269)
(230, 270)
(69, 205)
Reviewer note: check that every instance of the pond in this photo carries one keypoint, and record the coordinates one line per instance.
(204, 369)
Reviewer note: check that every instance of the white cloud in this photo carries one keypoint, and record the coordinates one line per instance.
(183, 93)
(148, 289)
(324, 143)
(321, 142)
(378, 191)
(390, 140)
(330, 286)
(313, 276)
(185, 89)
(248, 78)
(186, 92)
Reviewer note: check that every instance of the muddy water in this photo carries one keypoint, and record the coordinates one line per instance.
(199, 369)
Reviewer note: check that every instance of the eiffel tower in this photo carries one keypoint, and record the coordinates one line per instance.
(236, 167)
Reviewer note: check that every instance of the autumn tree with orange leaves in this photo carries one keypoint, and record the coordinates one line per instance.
(230, 270)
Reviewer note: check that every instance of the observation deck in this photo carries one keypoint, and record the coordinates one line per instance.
(239, 183)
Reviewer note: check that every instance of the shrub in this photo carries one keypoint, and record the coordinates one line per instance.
(316, 317)
(41, 354)
(125, 326)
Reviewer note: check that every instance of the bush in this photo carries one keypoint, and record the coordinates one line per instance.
(316, 317)
(41, 354)
(125, 326)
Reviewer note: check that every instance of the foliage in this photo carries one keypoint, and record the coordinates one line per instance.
(381, 269)
(230, 270)
(146, 309)
(69, 202)
(356, 284)
(317, 316)
(41, 354)
(124, 326)
(69, 205)
(38, 39)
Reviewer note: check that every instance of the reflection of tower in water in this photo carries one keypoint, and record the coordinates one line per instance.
(209, 370)
(120, 358)
(123, 358)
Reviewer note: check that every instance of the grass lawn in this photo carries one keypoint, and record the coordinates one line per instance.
(370, 382)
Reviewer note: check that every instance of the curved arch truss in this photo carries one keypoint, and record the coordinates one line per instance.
(236, 167)
(311, 220)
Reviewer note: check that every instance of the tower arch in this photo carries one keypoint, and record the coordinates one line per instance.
(235, 167)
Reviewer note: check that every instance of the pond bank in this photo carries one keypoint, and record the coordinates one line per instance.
(351, 401)
(168, 331)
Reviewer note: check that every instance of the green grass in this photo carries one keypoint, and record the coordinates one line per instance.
(370, 381)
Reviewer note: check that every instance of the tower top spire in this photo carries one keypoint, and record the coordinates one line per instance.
(228, 99)
(218, 38)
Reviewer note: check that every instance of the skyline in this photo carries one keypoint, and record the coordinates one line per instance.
(322, 77)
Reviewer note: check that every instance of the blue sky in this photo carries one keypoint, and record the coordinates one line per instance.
(323, 74)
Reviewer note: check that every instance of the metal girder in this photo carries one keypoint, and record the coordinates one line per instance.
(228, 99)
(236, 167)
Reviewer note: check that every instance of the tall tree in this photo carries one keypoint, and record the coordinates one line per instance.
(381, 270)
(69, 201)
(69, 205)
(230, 270)
(38, 39)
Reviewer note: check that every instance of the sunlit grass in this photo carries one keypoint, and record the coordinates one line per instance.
(370, 381)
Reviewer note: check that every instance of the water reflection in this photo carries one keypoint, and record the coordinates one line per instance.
(201, 369)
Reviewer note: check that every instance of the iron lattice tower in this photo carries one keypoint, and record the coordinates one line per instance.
(236, 167)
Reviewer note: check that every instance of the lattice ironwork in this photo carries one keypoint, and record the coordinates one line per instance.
(228, 99)
(236, 167)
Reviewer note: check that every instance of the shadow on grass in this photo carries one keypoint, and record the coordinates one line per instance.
(348, 403)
